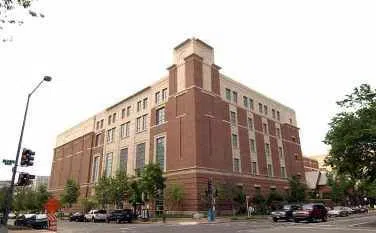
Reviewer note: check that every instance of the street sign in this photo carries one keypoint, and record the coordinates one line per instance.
(8, 161)
(52, 205)
(52, 222)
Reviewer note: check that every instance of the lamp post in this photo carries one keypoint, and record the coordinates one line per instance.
(9, 197)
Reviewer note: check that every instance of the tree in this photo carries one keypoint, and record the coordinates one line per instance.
(152, 181)
(42, 196)
(174, 195)
(296, 191)
(135, 194)
(70, 194)
(340, 186)
(230, 193)
(103, 191)
(87, 204)
(260, 203)
(352, 135)
(119, 188)
(3, 192)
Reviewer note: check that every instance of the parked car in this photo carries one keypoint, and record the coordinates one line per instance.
(77, 217)
(285, 213)
(36, 221)
(96, 216)
(120, 216)
(340, 211)
(310, 212)
(12, 216)
(359, 209)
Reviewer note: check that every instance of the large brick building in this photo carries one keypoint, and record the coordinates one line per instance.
(196, 123)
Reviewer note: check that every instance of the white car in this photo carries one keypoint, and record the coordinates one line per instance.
(339, 211)
(96, 216)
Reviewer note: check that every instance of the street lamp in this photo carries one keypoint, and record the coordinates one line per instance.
(9, 196)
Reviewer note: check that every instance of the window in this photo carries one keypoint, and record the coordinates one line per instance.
(138, 124)
(160, 152)
(280, 152)
(278, 132)
(123, 160)
(265, 128)
(273, 113)
(122, 131)
(265, 110)
(290, 121)
(293, 139)
(260, 107)
(278, 116)
(140, 158)
(123, 113)
(253, 145)
(235, 96)
(127, 129)
(157, 97)
(145, 103)
(228, 94)
(251, 103)
(283, 172)
(138, 106)
(98, 124)
(236, 165)
(254, 168)
(270, 170)
(235, 140)
(109, 119)
(164, 94)
(128, 111)
(114, 117)
(102, 123)
(267, 149)
(96, 169)
(97, 139)
(233, 117)
(250, 123)
(160, 116)
(110, 135)
(144, 126)
(245, 101)
(108, 165)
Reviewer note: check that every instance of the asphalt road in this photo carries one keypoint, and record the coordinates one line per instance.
(357, 223)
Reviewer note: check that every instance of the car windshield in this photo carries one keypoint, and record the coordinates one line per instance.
(116, 211)
(338, 208)
(307, 207)
(101, 211)
(287, 207)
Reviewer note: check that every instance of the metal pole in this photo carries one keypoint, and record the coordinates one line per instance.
(8, 202)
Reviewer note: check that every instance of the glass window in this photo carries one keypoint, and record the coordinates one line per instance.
(97, 139)
(98, 124)
(138, 106)
(283, 172)
(250, 123)
(123, 113)
(108, 165)
(114, 118)
(236, 165)
(122, 131)
(160, 152)
(128, 110)
(158, 97)
(254, 168)
(235, 140)
(123, 160)
(102, 123)
(96, 169)
(110, 135)
(235, 96)
(278, 132)
(233, 117)
(265, 126)
(270, 170)
(265, 110)
(109, 119)
(145, 103)
(251, 103)
(164, 94)
(160, 116)
(127, 128)
(138, 124)
(253, 145)
(140, 158)
(273, 113)
(228, 94)
(260, 107)
(290, 121)
(280, 152)
(267, 149)
(278, 116)
(245, 101)
(144, 122)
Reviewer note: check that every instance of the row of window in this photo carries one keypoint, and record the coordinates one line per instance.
(161, 96)
(123, 159)
(232, 96)
(252, 143)
(253, 168)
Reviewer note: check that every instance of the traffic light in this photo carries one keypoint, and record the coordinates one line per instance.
(25, 179)
(27, 157)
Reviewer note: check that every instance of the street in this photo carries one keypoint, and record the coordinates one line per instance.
(364, 223)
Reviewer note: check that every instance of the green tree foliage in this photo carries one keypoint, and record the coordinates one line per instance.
(42, 195)
(174, 195)
(259, 203)
(352, 135)
(297, 190)
(103, 191)
(26, 199)
(2, 199)
(119, 188)
(70, 194)
(152, 182)
(340, 186)
(88, 204)
(230, 193)
(135, 193)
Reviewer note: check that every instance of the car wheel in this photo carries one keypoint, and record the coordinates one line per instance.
(118, 221)
(93, 219)
(275, 219)
(325, 218)
(296, 220)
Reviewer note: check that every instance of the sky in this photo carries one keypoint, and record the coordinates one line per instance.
(304, 54)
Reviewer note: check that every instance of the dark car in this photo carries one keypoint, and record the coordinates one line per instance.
(285, 213)
(310, 212)
(120, 216)
(77, 217)
(359, 209)
(36, 221)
